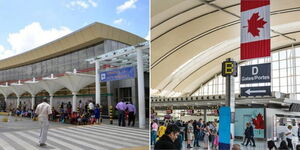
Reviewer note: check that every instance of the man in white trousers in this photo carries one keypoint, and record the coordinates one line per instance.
(43, 110)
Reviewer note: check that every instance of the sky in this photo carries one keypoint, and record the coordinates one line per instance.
(26, 24)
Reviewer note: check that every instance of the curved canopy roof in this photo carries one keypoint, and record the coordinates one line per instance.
(89, 35)
(190, 39)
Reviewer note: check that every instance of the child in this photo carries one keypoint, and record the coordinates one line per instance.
(216, 142)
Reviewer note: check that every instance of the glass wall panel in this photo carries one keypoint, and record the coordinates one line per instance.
(60, 64)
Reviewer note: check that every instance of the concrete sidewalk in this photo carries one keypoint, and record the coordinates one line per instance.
(18, 123)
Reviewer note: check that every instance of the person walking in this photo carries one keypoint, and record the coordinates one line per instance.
(80, 106)
(132, 111)
(214, 133)
(121, 106)
(97, 113)
(197, 133)
(206, 132)
(190, 133)
(289, 136)
(299, 131)
(91, 108)
(154, 128)
(244, 138)
(161, 130)
(43, 110)
(250, 135)
(69, 108)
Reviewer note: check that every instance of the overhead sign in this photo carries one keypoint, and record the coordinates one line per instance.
(118, 74)
(229, 68)
(255, 29)
(260, 73)
(256, 91)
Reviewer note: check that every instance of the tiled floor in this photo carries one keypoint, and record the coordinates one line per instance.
(260, 145)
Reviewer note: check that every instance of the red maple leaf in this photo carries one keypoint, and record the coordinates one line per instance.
(258, 122)
(254, 24)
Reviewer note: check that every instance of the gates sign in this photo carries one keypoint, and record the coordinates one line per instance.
(118, 74)
(260, 73)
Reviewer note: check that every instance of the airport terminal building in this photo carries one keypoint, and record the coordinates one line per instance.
(69, 54)
(203, 34)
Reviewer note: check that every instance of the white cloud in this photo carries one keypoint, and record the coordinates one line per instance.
(148, 36)
(31, 36)
(4, 53)
(119, 21)
(93, 3)
(82, 4)
(79, 3)
(122, 21)
(127, 5)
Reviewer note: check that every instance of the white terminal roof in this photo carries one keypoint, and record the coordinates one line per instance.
(124, 57)
(73, 81)
(191, 38)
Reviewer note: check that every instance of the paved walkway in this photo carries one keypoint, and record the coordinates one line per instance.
(260, 145)
(88, 137)
(23, 133)
(19, 124)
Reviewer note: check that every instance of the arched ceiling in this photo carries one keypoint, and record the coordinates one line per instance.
(190, 39)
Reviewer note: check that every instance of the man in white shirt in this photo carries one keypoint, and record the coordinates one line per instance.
(91, 107)
(43, 110)
(289, 136)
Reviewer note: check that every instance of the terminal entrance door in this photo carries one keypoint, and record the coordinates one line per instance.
(2, 105)
(125, 94)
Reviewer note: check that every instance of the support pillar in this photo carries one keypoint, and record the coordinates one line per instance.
(205, 114)
(109, 97)
(18, 101)
(5, 99)
(6, 104)
(133, 92)
(51, 99)
(230, 99)
(232, 106)
(141, 88)
(97, 82)
(74, 101)
(32, 101)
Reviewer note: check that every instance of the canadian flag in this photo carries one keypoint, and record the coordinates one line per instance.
(255, 29)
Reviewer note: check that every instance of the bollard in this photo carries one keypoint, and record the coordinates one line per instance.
(101, 113)
(111, 114)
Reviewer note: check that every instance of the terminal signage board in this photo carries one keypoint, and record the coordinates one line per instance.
(118, 74)
(256, 91)
(260, 73)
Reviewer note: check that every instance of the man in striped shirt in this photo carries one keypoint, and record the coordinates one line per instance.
(43, 110)
(132, 111)
(121, 106)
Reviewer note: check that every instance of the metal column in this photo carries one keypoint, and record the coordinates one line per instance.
(205, 114)
(32, 101)
(74, 101)
(51, 100)
(98, 91)
(230, 98)
(18, 101)
(109, 97)
(141, 88)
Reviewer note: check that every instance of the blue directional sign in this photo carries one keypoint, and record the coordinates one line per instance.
(260, 73)
(118, 74)
(256, 91)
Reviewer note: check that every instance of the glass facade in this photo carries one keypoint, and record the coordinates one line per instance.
(285, 74)
(60, 64)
